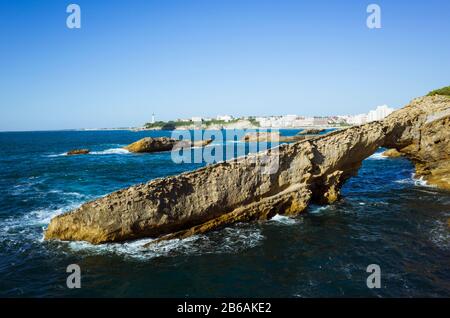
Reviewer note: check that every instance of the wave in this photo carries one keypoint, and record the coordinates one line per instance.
(413, 180)
(377, 156)
(57, 155)
(68, 194)
(30, 226)
(440, 235)
(317, 209)
(228, 240)
(111, 151)
(283, 219)
(25, 186)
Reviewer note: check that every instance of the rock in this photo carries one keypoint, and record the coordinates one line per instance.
(307, 171)
(197, 143)
(148, 144)
(392, 153)
(78, 152)
(262, 136)
(430, 152)
(311, 131)
(294, 138)
(271, 136)
(151, 145)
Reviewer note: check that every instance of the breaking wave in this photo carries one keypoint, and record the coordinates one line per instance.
(112, 151)
(377, 156)
(282, 219)
(229, 240)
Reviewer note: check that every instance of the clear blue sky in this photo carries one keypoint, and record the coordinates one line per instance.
(183, 58)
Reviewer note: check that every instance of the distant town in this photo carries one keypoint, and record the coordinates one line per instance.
(281, 122)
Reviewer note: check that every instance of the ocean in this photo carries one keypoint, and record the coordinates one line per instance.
(386, 217)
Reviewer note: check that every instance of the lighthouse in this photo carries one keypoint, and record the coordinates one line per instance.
(153, 118)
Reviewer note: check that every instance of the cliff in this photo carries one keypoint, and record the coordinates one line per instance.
(311, 170)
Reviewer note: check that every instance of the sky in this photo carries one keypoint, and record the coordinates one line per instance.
(184, 58)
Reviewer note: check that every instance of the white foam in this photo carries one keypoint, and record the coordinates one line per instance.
(228, 240)
(316, 209)
(111, 151)
(30, 226)
(440, 235)
(420, 182)
(57, 155)
(23, 187)
(283, 219)
(377, 156)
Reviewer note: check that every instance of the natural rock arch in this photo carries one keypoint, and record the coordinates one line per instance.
(230, 192)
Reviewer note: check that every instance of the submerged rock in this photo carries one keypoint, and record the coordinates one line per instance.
(148, 144)
(311, 170)
(78, 152)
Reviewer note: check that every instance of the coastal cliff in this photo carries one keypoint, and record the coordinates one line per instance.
(307, 171)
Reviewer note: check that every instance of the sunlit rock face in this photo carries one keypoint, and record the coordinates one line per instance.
(311, 170)
(148, 144)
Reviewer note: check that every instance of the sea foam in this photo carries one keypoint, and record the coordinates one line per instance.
(112, 151)
(377, 156)
(229, 240)
(282, 219)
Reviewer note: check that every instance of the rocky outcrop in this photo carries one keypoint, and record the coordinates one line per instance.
(262, 136)
(271, 136)
(241, 190)
(311, 131)
(78, 152)
(147, 145)
(430, 150)
(392, 153)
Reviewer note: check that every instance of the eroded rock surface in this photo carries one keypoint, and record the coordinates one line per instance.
(262, 136)
(307, 171)
(272, 136)
(311, 131)
(148, 144)
(392, 153)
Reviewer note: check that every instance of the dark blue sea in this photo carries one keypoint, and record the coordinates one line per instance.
(386, 217)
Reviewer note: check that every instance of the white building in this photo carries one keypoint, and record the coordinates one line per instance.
(225, 118)
(379, 113)
(196, 119)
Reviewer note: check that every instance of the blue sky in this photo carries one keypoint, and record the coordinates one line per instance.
(183, 58)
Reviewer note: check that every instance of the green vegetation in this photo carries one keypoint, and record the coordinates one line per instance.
(253, 121)
(441, 91)
(169, 125)
(218, 122)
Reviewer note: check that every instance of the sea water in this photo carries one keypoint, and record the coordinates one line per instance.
(386, 217)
